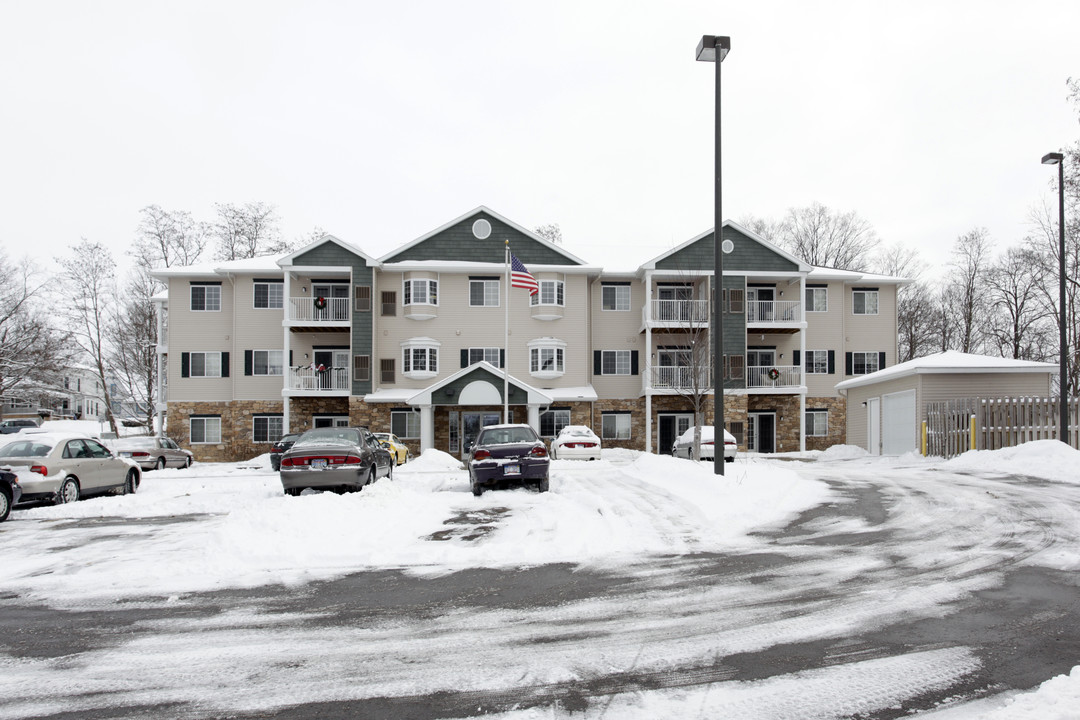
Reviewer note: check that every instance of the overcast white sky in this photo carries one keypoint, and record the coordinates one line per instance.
(381, 121)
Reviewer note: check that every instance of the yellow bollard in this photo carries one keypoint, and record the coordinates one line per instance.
(924, 448)
(972, 432)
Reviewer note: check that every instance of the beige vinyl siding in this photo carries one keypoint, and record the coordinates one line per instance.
(825, 331)
(199, 332)
(856, 415)
(256, 329)
(618, 330)
(459, 325)
(869, 333)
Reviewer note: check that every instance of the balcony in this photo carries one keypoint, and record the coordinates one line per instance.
(304, 311)
(773, 312)
(682, 378)
(773, 377)
(678, 313)
(332, 380)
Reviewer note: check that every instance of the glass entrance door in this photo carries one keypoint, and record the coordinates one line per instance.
(472, 422)
(761, 432)
(337, 301)
(669, 428)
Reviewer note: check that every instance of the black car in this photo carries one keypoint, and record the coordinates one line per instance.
(334, 458)
(506, 455)
(10, 492)
(279, 449)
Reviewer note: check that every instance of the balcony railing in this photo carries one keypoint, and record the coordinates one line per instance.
(681, 311)
(682, 378)
(760, 312)
(773, 376)
(305, 309)
(329, 380)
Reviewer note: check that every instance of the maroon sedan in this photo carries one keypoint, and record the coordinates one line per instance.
(506, 455)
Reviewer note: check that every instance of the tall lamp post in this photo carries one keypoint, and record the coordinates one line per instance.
(714, 49)
(1063, 420)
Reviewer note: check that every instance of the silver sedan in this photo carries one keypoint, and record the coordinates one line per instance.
(62, 467)
(341, 459)
(152, 453)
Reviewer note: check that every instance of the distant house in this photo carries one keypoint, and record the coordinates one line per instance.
(886, 409)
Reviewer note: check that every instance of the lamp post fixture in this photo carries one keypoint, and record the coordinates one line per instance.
(714, 49)
(1063, 389)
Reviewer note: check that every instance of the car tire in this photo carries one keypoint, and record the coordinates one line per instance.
(5, 504)
(477, 489)
(543, 485)
(554, 455)
(68, 492)
(187, 462)
(160, 464)
(293, 492)
(729, 459)
(131, 482)
(390, 471)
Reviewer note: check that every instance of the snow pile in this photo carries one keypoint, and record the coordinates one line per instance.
(432, 460)
(843, 452)
(1045, 459)
(1056, 699)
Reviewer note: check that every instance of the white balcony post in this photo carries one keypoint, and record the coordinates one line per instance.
(427, 427)
(286, 380)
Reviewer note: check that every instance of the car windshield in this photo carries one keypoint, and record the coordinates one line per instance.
(330, 436)
(25, 448)
(506, 436)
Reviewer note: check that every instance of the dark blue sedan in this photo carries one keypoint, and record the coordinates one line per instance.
(506, 455)
(10, 492)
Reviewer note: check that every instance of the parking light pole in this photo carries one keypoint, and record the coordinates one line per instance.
(1058, 159)
(714, 49)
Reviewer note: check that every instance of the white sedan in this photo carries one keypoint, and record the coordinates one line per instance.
(684, 446)
(576, 442)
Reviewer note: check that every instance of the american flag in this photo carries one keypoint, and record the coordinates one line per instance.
(521, 277)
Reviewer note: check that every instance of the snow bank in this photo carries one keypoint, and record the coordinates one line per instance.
(1056, 699)
(843, 452)
(1045, 459)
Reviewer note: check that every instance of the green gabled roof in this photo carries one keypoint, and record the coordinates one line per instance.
(750, 253)
(455, 242)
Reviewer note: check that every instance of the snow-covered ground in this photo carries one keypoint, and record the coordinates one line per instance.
(217, 526)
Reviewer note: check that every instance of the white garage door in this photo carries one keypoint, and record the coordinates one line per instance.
(898, 423)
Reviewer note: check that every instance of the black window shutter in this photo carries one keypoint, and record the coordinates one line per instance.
(795, 358)
(502, 358)
(224, 364)
(633, 362)
(185, 364)
(597, 363)
(880, 360)
(249, 361)
(464, 357)
(290, 358)
(847, 363)
(832, 362)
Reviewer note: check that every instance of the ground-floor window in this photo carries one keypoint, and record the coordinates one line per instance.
(405, 423)
(205, 429)
(267, 428)
(323, 421)
(817, 423)
(615, 426)
(553, 421)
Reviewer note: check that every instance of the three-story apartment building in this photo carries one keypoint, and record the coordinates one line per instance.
(432, 342)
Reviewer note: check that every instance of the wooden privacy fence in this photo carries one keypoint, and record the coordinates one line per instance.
(954, 426)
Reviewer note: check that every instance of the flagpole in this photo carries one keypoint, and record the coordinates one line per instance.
(506, 341)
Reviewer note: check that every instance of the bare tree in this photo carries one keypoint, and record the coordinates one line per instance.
(914, 300)
(966, 292)
(89, 287)
(132, 341)
(550, 232)
(1044, 244)
(32, 352)
(169, 238)
(247, 231)
(820, 236)
(1019, 324)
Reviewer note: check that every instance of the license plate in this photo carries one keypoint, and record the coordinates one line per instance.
(318, 463)
(511, 469)
(124, 454)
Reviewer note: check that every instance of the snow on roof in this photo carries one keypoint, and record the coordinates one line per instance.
(851, 276)
(565, 394)
(468, 265)
(949, 362)
(263, 263)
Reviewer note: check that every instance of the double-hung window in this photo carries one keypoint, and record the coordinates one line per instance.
(205, 429)
(421, 292)
(269, 294)
(817, 362)
(551, 293)
(267, 362)
(615, 297)
(864, 301)
(484, 354)
(615, 362)
(553, 421)
(863, 363)
(615, 426)
(204, 364)
(817, 299)
(420, 358)
(817, 423)
(405, 423)
(266, 428)
(206, 297)
(483, 292)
